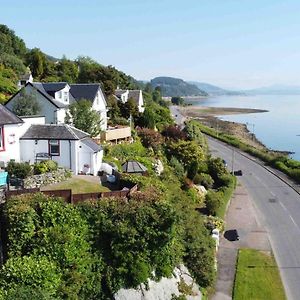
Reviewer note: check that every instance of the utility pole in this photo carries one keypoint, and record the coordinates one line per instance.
(232, 161)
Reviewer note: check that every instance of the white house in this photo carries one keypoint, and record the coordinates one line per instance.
(93, 93)
(68, 146)
(12, 128)
(54, 99)
(136, 95)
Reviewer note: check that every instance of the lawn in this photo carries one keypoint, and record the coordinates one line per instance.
(257, 277)
(78, 186)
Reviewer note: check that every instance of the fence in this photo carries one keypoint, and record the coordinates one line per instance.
(69, 197)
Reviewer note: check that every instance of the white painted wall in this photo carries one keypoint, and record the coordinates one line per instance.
(47, 108)
(73, 154)
(63, 95)
(29, 149)
(100, 106)
(141, 103)
(60, 116)
(12, 134)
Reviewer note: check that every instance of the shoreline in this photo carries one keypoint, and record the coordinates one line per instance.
(210, 116)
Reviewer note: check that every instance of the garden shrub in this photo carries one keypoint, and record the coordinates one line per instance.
(19, 170)
(204, 179)
(177, 166)
(37, 272)
(212, 202)
(150, 138)
(45, 166)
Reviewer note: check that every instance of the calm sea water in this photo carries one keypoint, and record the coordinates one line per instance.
(278, 129)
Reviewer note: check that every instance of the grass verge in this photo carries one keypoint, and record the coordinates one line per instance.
(278, 161)
(78, 186)
(257, 277)
(226, 196)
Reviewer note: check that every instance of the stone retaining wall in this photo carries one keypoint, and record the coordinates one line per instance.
(36, 181)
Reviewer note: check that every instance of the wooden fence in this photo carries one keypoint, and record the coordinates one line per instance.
(69, 197)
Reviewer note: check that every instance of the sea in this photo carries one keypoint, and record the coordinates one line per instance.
(278, 129)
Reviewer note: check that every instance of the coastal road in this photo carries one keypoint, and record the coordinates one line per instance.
(278, 207)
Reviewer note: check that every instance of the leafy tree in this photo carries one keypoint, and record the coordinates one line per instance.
(150, 138)
(147, 119)
(26, 105)
(67, 70)
(217, 169)
(8, 81)
(186, 152)
(174, 132)
(37, 61)
(193, 132)
(177, 100)
(83, 117)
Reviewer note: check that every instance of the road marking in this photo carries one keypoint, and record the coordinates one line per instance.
(294, 221)
(282, 205)
(272, 194)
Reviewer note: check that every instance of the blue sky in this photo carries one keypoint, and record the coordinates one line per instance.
(232, 43)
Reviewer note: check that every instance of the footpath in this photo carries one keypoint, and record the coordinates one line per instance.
(242, 216)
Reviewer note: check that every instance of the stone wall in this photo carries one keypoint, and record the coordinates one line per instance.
(36, 181)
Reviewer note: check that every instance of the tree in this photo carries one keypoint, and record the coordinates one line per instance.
(67, 70)
(36, 60)
(177, 100)
(187, 152)
(83, 117)
(26, 105)
(150, 138)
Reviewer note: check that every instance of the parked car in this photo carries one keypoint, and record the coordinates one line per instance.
(238, 173)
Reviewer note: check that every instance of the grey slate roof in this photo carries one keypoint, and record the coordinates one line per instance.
(8, 117)
(41, 88)
(120, 92)
(91, 144)
(85, 91)
(133, 166)
(135, 95)
(53, 87)
(55, 132)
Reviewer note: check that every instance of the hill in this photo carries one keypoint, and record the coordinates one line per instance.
(176, 87)
(214, 90)
(275, 90)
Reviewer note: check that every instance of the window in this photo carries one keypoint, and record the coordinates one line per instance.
(2, 139)
(54, 147)
(59, 94)
(66, 96)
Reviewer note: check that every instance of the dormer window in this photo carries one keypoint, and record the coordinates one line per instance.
(66, 96)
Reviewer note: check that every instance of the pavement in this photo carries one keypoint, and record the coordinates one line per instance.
(242, 216)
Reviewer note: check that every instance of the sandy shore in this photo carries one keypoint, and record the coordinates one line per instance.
(209, 117)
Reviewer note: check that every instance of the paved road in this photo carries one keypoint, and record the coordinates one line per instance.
(278, 207)
(178, 117)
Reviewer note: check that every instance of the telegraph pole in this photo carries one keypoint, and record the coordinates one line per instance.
(232, 161)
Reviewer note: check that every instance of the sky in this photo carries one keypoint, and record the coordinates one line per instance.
(231, 43)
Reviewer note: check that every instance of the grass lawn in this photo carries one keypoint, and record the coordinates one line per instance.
(78, 186)
(257, 277)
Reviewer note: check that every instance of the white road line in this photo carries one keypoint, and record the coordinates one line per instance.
(282, 205)
(272, 194)
(294, 221)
